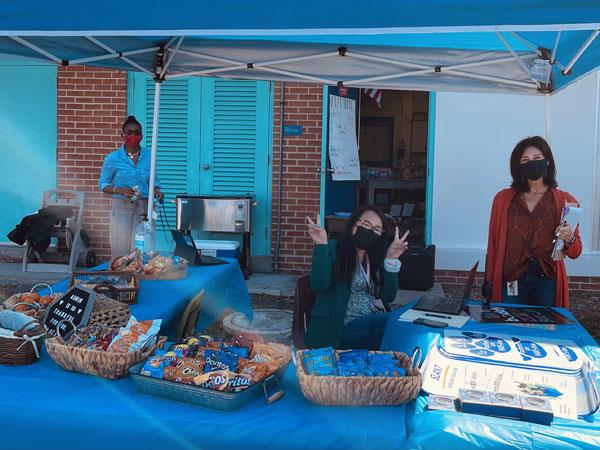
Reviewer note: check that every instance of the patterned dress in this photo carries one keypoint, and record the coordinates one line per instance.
(361, 296)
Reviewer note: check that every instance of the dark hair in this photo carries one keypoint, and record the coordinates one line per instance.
(520, 182)
(346, 250)
(130, 120)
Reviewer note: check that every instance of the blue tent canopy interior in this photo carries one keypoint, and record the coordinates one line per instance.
(518, 46)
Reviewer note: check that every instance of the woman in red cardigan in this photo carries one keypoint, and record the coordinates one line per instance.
(523, 225)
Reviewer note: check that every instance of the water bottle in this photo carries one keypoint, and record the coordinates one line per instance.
(144, 239)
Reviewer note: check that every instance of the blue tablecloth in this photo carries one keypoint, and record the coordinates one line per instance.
(224, 287)
(454, 430)
(44, 407)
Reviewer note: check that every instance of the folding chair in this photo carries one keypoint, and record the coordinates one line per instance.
(305, 299)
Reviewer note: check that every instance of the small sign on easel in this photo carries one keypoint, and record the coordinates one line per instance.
(74, 308)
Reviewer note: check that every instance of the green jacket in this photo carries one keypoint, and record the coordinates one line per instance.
(327, 320)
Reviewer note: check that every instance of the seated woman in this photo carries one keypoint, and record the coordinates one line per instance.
(524, 224)
(355, 278)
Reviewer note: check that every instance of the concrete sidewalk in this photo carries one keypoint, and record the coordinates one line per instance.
(10, 273)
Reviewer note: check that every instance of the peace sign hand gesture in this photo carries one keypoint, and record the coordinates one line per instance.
(316, 233)
(398, 246)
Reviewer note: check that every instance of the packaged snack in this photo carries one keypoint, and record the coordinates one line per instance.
(240, 352)
(154, 366)
(238, 382)
(256, 371)
(350, 369)
(184, 348)
(274, 355)
(220, 360)
(217, 380)
(320, 361)
(184, 370)
(135, 335)
(354, 356)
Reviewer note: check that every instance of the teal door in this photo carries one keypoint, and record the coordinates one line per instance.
(28, 145)
(215, 138)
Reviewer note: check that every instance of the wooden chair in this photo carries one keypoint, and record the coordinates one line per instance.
(305, 299)
(187, 324)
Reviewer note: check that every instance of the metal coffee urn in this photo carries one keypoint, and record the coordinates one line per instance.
(223, 214)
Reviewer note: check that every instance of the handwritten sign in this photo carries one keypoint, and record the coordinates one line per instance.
(343, 147)
(75, 307)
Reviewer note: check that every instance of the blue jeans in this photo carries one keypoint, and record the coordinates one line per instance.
(534, 289)
(364, 332)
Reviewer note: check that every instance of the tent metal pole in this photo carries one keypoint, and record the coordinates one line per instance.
(279, 174)
(112, 55)
(583, 48)
(296, 75)
(392, 76)
(205, 56)
(171, 56)
(153, 149)
(386, 60)
(529, 44)
(37, 49)
(489, 78)
(553, 57)
(514, 54)
(297, 59)
(207, 71)
(110, 50)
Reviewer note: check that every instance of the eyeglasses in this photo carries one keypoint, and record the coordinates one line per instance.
(369, 226)
(132, 132)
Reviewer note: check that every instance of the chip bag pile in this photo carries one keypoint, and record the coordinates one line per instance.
(231, 365)
(127, 339)
(352, 363)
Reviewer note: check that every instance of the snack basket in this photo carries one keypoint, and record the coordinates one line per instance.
(208, 398)
(105, 364)
(176, 272)
(23, 302)
(360, 390)
(24, 346)
(126, 295)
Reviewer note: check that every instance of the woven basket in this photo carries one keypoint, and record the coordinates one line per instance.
(17, 351)
(107, 311)
(110, 365)
(34, 310)
(126, 295)
(360, 391)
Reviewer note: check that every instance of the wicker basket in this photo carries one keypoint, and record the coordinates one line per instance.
(107, 311)
(126, 295)
(110, 365)
(36, 310)
(360, 391)
(24, 348)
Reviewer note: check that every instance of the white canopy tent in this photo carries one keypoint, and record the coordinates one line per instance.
(473, 46)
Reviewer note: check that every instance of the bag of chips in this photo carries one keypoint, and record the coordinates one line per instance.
(220, 360)
(320, 361)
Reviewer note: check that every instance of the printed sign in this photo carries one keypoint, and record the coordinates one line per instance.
(343, 146)
(75, 307)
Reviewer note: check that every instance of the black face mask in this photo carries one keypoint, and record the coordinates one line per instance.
(534, 170)
(366, 239)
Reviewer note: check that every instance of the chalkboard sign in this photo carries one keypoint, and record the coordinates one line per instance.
(75, 306)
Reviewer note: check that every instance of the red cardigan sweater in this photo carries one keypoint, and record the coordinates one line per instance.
(497, 245)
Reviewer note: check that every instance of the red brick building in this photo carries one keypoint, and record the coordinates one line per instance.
(92, 104)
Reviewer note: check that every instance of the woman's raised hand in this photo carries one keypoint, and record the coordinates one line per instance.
(398, 245)
(315, 231)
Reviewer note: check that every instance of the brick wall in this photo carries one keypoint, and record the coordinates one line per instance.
(300, 179)
(92, 104)
(578, 286)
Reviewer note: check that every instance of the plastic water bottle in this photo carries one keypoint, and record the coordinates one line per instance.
(144, 236)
